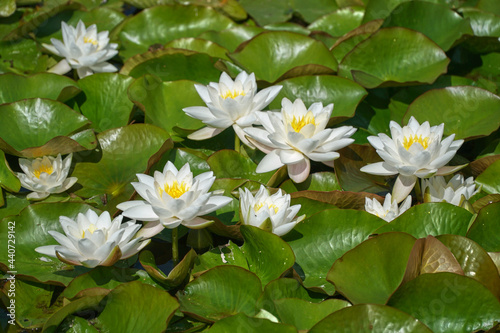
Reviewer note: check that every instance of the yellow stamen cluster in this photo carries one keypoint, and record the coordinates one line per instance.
(175, 190)
(299, 122)
(233, 94)
(89, 40)
(407, 142)
(43, 168)
(258, 206)
(91, 229)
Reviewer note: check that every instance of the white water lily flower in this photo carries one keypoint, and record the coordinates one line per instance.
(230, 103)
(94, 240)
(457, 191)
(389, 210)
(414, 151)
(45, 175)
(297, 135)
(269, 212)
(173, 197)
(83, 49)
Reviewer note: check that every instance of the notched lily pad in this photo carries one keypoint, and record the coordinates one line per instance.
(175, 277)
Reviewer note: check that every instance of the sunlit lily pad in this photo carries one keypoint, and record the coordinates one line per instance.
(340, 21)
(485, 229)
(462, 304)
(323, 238)
(373, 270)
(397, 56)
(489, 178)
(431, 219)
(221, 292)
(369, 318)
(455, 106)
(161, 24)
(17, 87)
(300, 51)
(344, 94)
(48, 127)
(231, 38)
(199, 45)
(438, 22)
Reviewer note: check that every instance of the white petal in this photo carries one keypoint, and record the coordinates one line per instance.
(270, 162)
(300, 171)
(61, 68)
(205, 133)
(403, 187)
(380, 168)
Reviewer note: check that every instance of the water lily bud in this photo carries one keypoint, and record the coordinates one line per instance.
(457, 191)
(269, 212)
(94, 240)
(45, 175)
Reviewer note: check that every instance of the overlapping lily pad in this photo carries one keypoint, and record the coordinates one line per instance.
(49, 128)
(161, 24)
(397, 56)
(340, 21)
(123, 152)
(484, 230)
(303, 56)
(323, 238)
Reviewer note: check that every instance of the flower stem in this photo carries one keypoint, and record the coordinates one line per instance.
(418, 191)
(237, 143)
(175, 246)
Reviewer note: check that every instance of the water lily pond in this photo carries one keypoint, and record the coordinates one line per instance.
(249, 166)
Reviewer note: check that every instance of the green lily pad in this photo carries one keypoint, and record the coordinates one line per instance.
(106, 278)
(369, 318)
(398, 56)
(483, 24)
(462, 304)
(231, 164)
(323, 238)
(47, 128)
(13, 205)
(31, 227)
(454, 106)
(318, 181)
(340, 199)
(288, 26)
(474, 260)
(106, 104)
(268, 256)
(199, 45)
(263, 253)
(162, 24)
(431, 219)
(221, 292)
(231, 38)
(228, 324)
(344, 94)
(162, 102)
(176, 276)
(339, 22)
(286, 288)
(313, 9)
(489, 178)
(7, 8)
(484, 230)
(301, 52)
(438, 22)
(264, 12)
(309, 207)
(42, 85)
(346, 43)
(123, 152)
(303, 314)
(28, 293)
(8, 179)
(374, 269)
(127, 304)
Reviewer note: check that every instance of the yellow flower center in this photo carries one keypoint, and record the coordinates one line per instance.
(90, 40)
(233, 94)
(258, 206)
(299, 122)
(43, 168)
(91, 229)
(407, 142)
(175, 190)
